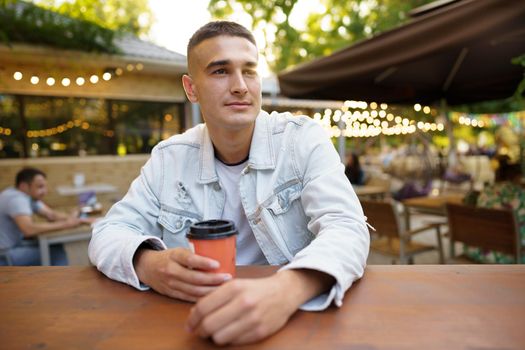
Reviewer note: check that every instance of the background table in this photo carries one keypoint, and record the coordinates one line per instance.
(75, 234)
(433, 205)
(66, 190)
(371, 192)
(392, 307)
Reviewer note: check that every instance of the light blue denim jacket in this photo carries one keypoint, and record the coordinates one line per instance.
(298, 201)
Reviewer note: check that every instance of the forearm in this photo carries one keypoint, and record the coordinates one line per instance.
(58, 216)
(140, 261)
(37, 228)
(301, 285)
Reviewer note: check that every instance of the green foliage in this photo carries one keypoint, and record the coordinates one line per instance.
(88, 25)
(24, 22)
(342, 24)
(520, 91)
(125, 16)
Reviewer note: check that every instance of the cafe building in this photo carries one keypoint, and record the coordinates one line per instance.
(70, 111)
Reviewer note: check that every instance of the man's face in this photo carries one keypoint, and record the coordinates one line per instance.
(37, 189)
(224, 81)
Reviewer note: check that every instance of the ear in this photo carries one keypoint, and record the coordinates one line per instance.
(189, 88)
(24, 187)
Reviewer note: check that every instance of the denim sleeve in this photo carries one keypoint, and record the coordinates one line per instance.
(336, 218)
(128, 224)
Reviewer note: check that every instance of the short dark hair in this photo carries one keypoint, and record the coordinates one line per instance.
(217, 28)
(26, 175)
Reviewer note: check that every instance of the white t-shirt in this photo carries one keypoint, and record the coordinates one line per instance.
(248, 250)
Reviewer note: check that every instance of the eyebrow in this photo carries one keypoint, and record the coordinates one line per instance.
(250, 64)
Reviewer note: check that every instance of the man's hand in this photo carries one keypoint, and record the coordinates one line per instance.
(247, 310)
(178, 273)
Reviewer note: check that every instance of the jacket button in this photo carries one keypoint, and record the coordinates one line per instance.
(216, 186)
(178, 225)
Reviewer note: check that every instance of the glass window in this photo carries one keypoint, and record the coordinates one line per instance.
(34, 126)
(12, 139)
(140, 126)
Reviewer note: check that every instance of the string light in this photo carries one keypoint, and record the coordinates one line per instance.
(80, 80)
(5, 131)
(373, 122)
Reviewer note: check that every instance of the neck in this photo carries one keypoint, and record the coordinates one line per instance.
(23, 189)
(232, 147)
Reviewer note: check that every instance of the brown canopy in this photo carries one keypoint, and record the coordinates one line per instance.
(460, 52)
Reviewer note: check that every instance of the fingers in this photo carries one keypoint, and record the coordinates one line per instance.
(193, 261)
(205, 321)
(240, 333)
(191, 289)
(170, 273)
(203, 309)
(241, 312)
(188, 265)
(176, 294)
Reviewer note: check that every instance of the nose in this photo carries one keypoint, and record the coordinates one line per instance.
(238, 84)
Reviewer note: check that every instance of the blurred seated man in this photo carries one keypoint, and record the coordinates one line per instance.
(17, 205)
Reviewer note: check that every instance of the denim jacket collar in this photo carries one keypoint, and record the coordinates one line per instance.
(262, 154)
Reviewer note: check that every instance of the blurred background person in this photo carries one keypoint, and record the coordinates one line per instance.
(353, 170)
(17, 206)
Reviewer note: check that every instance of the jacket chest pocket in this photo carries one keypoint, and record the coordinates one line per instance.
(175, 224)
(288, 214)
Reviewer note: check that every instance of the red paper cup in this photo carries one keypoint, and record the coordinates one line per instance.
(215, 239)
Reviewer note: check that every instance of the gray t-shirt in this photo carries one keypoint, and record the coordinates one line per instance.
(14, 203)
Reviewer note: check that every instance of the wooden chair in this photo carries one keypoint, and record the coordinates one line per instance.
(392, 239)
(491, 229)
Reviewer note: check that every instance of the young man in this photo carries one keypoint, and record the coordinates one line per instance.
(277, 176)
(17, 206)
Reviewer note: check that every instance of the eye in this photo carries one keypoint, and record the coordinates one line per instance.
(250, 72)
(219, 71)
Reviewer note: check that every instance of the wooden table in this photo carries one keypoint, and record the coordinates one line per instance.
(66, 190)
(45, 240)
(392, 307)
(434, 205)
(370, 191)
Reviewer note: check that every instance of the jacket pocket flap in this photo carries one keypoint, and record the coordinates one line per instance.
(176, 220)
(282, 200)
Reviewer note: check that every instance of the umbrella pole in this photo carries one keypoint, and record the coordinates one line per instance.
(341, 141)
(450, 133)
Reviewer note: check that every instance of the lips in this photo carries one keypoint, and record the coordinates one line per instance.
(238, 104)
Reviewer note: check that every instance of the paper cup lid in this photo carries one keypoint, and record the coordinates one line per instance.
(212, 229)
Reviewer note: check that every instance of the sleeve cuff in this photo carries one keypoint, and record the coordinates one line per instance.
(322, 301)
(132, 279)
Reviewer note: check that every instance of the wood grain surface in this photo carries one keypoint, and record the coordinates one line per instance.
(392, 307)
